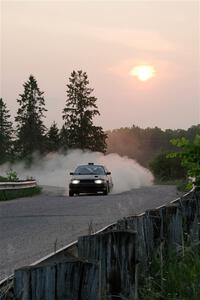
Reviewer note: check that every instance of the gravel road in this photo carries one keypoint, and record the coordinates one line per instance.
(31, 228)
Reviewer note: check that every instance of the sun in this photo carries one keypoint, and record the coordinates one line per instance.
(143, 72)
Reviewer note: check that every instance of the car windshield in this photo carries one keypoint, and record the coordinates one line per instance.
(90, 170)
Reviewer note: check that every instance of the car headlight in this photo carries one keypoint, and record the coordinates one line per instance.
(98, 181)
(75, 181)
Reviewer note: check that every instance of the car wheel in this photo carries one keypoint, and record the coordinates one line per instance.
(106, 191)
(71, 194)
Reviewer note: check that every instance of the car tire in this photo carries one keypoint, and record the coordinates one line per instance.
(71, 194)
(106, 191)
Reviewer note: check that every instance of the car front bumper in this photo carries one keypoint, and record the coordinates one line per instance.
(87, 187)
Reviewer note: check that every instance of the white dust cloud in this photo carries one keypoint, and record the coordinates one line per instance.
(53, 170)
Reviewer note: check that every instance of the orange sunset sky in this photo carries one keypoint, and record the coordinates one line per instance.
(110, 40)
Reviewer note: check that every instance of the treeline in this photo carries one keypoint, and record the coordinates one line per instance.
(144, 145)
(29, 134)
(151, 147)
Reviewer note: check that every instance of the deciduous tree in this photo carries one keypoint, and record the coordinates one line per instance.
(190, 156)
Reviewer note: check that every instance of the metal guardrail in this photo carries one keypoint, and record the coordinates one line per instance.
(18, 185)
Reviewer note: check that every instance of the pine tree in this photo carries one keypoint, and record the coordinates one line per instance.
(64, 141)
(6, 132)
(78, 114)
(53, 138)
(30, 127)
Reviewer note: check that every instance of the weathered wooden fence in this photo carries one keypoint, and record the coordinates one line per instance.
(71, 279)
(110, 264)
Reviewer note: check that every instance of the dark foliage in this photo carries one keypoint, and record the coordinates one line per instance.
(78, 115)
(189, 155)
(30, 127)
(6, 132)
(64, 140)
(165, 169)
(53, 143)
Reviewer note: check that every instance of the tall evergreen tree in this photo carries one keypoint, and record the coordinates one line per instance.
(30, 127)
(53, 138)
(64, 141)
(6, 132)
(78, 114)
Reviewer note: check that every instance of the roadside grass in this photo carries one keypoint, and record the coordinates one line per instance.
(176, 278)
(14, 194)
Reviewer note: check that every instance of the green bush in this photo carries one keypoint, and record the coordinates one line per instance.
(189, 155)
(184, 186)
(12, 175)
(166, 170)
(3, 179)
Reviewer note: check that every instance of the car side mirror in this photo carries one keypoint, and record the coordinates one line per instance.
(108, 173)
(71, 173)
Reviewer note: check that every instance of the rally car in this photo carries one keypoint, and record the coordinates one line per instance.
(90, 178)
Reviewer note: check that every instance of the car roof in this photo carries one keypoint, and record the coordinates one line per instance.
(88, 165)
